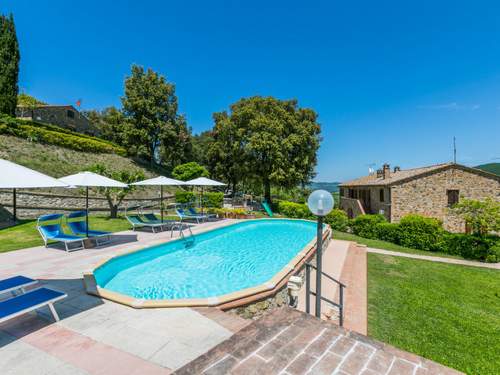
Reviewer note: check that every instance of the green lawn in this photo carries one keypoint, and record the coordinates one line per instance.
(25, 235)
(447, 313)
(379, 244)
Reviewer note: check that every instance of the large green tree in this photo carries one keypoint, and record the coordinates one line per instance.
(9, 65)
(201, 147)
(226, 154)
(111, 125)
(175, 143)
(264, 139)
(150, 105)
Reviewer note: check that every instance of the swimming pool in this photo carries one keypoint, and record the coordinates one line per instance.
(241, 257)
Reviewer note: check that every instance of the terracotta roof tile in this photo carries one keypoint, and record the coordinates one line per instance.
(373, 180)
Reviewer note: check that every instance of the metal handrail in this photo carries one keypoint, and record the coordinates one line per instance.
(340, 305)
(327, 275)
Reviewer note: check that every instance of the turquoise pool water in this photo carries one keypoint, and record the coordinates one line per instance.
(220, 261)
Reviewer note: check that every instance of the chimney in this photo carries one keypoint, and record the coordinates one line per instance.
(397, 168)
(379, 173)
(386, 171)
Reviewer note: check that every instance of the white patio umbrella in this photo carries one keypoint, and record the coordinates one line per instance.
(203, 181)
(160, 181)
(90, 179)
(14, 176)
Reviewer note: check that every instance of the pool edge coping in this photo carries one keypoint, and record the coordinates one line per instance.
(225, 301)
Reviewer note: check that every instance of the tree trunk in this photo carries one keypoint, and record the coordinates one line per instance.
(113, 207)
(233, 193)
(267, 190)
(113, 211)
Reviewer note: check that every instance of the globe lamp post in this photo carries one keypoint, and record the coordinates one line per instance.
(320, 203)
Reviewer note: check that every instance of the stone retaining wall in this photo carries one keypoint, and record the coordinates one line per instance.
(31, 204)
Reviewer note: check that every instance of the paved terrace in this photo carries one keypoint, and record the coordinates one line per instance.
(290, 342)
(96, 336)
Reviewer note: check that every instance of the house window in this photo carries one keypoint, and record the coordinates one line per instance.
(341, 193)
(453, 196)
(381, 195)
(70, 113)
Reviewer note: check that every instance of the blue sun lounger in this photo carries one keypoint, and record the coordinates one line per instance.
(54, 232)
(193, 212)
(152, 219)
(30, 301)
(16, 283)
(137, 222)
(183, 215)
(79, 228)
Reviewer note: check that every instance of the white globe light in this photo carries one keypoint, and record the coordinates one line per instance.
(320, 202)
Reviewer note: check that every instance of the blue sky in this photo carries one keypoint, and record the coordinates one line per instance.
(391, 81)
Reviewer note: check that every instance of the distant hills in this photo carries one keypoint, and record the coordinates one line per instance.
(490, 167)
(332, 187)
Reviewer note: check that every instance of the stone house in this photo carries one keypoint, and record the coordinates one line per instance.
(427, 191)
(65, 116)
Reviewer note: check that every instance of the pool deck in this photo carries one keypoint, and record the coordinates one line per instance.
(101, 337)
(92, 330)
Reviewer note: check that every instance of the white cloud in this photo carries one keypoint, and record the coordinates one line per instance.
(450, 106)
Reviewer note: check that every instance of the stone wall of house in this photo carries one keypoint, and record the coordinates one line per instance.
(31, 204)
(376, 205)
(64, 116)
(356, 207)
(427, 195)
(352, 206)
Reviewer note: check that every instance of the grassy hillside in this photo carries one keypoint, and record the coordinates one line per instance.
(58, 161)
(490, 167)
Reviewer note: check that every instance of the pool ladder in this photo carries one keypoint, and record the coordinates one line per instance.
(188, 240)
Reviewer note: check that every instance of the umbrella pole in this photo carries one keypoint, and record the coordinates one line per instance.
(14, 205)
(161, 202)
(87, 209)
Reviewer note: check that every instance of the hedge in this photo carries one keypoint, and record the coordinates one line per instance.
(365, 225)
(483, 248)
(213, 199)
(184, 197)
(387, 232)
(294, 210)
(54, 135)
(413, 231)
(424, 233)
(337, 219)
(419, 232)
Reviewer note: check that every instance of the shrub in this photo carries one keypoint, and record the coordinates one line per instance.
(387, 232)
(338, 220)
(184, 197)
(419, 232)
(484, 248)
(366, 225)
(213, 199)
(189, 171)
(54, 135)
(494, 253)
(294, 210)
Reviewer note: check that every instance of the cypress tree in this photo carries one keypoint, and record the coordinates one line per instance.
(9, 65)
